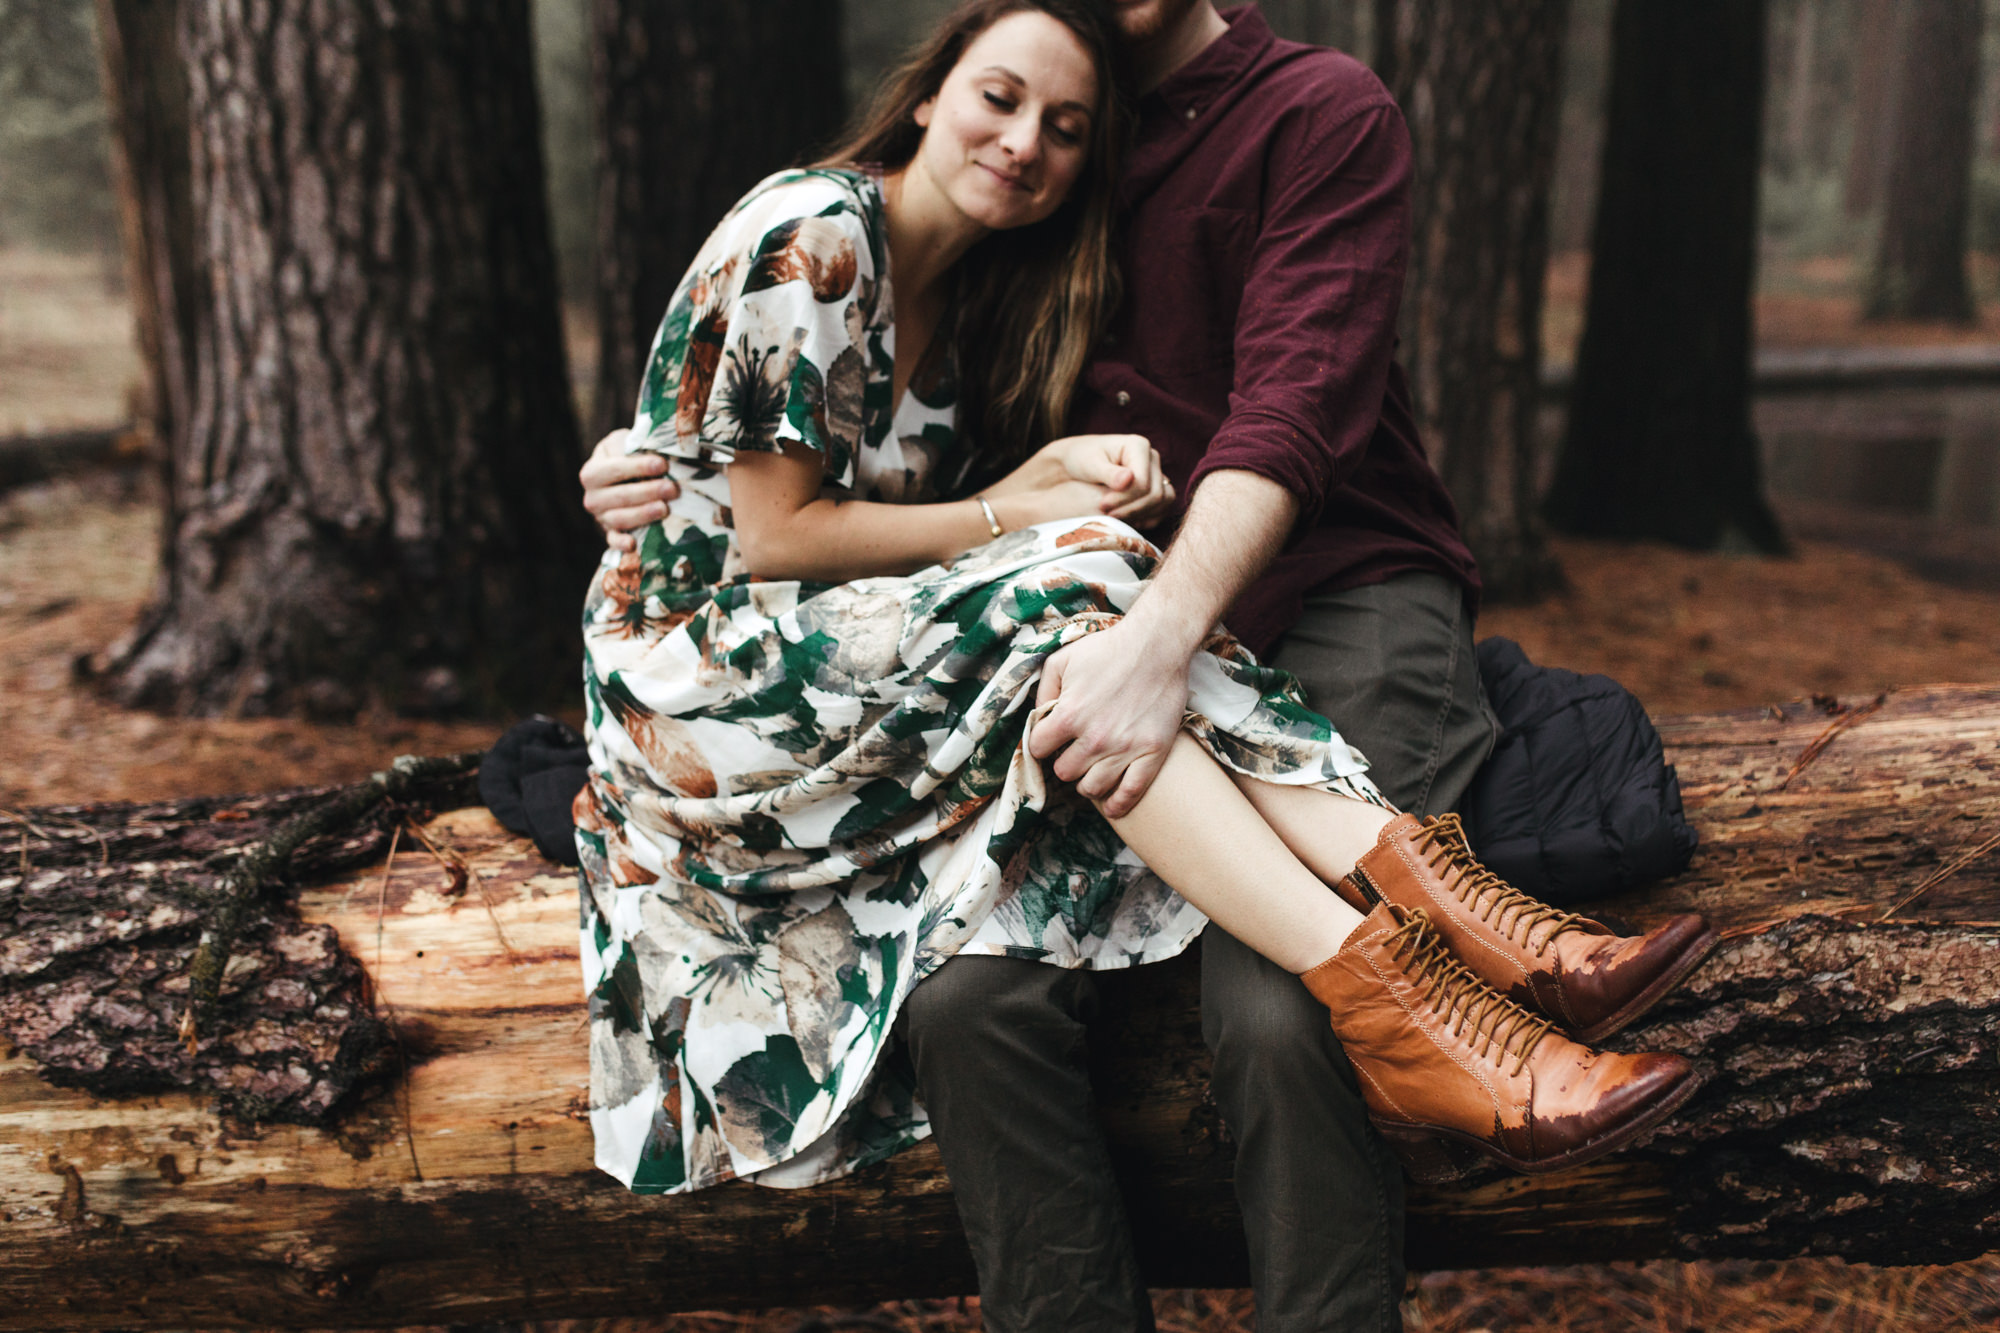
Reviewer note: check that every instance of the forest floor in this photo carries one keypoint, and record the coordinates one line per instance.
(1685, 632)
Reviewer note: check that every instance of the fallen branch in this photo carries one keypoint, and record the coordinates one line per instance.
(262, 864)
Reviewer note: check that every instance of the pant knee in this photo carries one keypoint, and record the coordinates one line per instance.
(990, 1019)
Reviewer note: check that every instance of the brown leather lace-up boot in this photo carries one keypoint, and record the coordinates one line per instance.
(1449, 1069)
(1568, 967)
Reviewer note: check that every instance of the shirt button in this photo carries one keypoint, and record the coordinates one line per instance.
(1192, 113)
(1124, 398)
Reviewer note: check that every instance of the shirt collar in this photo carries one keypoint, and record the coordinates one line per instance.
(1194, 87)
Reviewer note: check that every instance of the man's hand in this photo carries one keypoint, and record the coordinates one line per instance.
(1120, 693)
(1119, 697)
(624, 492)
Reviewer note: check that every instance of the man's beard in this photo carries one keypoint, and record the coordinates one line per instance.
(1143, 23)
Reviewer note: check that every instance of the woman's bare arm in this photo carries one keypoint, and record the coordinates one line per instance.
(787, 530)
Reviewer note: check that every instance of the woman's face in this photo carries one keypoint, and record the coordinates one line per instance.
(1009, 132)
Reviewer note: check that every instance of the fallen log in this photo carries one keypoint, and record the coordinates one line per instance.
(1852, 1107)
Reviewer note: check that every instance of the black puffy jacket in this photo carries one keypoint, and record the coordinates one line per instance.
(1577, 800)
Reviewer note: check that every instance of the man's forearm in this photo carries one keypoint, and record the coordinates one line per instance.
(1235, 526)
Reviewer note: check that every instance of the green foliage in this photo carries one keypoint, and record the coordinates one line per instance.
(54, 141)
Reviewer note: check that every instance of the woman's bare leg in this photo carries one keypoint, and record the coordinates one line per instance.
(1325, 831)
(1202, 834)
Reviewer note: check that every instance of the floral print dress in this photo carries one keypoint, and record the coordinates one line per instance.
(806, 797)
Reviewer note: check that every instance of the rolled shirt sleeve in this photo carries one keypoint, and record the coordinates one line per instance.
(1316, 329)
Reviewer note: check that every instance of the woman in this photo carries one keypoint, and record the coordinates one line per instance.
(810, 687)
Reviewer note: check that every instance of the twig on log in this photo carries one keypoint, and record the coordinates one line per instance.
(1825, 738)
(264, 862)
(463, 873)
(1940, 875)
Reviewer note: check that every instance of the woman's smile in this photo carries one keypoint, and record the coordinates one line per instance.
(1007, 134)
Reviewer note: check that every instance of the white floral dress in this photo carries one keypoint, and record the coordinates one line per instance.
(806, 797)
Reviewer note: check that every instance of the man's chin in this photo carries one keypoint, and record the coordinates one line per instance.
(1142, 21)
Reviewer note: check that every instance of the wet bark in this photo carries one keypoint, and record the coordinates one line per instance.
(1852, 1106)
(377, 496)
(145, 89)
(1659, 441)
(696, 102)
(1920, 260)
(1480, 84)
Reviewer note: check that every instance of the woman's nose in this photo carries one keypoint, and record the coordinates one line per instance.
(1023, 139)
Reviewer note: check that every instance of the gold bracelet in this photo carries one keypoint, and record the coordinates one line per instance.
(991, 521)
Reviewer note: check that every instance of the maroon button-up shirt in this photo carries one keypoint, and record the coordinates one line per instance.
(1267, 231)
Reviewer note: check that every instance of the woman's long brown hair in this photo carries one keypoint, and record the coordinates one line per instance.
(1030, 301)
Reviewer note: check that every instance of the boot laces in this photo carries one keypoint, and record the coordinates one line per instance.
(1492, 898)
(1491, 1023)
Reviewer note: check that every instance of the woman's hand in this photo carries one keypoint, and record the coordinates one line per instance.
(1125, 470)
(625, 492)
(1136, 488)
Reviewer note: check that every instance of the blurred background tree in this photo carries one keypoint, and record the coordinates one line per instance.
(1659, 441)
(1919, 270)
(696, 102)
(1480, 84)
(55, 181)
(146, 98)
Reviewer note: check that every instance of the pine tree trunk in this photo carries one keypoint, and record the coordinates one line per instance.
(1659, 442)
(1801, 86)
(1480, 83)
(696, 102)
(1878, 41)
(376, 498)
(1920, 254)
(145, 90)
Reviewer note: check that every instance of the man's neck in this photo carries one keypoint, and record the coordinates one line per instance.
(1173, 47)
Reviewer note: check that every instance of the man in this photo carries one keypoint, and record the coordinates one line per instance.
(1264, 250)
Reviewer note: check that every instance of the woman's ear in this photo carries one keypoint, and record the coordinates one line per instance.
(922, 115)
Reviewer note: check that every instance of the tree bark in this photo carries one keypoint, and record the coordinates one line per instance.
(1920, 253)
(1850, 1108)
(1659, 442)
(377, 496)
(1335, 23)
(1877, 55)
(1480, 84)
(145, 92)
(1801, 86)
(696, 102)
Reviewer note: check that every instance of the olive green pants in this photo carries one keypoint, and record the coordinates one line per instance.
(1000, 1043)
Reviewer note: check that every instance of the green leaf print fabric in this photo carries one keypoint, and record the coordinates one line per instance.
(804, 797)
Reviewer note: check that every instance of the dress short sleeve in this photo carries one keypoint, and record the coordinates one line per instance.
(772, 332)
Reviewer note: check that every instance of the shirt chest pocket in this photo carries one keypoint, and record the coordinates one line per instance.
(1187, 284)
